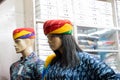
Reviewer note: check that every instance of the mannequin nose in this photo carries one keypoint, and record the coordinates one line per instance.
(14, 45)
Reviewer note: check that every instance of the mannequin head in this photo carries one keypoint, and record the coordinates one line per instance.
(24, 40)
(55, 29)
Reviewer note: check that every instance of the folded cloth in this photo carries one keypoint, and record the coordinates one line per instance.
(57, 27)
(23, 33)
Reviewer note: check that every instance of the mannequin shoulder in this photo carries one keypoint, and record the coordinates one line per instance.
(49, 59)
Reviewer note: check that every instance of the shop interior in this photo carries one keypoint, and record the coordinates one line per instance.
(96, 27)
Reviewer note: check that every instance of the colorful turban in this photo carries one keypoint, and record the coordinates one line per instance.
(57, 27)
(23, 33)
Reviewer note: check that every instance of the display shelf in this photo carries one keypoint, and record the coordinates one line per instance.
(42, 41)
(96, 39)
(118, 55)
(118, 11)
(90, 50)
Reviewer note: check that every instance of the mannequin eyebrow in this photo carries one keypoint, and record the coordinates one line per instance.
(17, 40)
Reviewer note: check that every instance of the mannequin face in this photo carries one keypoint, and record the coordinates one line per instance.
(21, 45)
(54, 42)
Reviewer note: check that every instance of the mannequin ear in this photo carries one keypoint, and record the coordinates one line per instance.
(29, 42)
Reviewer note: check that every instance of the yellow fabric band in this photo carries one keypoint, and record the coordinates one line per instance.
(20, 34)
(64, 28)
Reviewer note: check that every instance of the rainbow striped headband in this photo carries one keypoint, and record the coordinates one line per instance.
(57, 27)
(23, 33)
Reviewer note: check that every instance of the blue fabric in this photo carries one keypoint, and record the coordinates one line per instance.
(89, 68)
(45, 70)
(28, 68)
(118, 75)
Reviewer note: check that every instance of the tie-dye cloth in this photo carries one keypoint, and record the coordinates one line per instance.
(29, 68)
(23, 33)
(89, 69)
(57, 27)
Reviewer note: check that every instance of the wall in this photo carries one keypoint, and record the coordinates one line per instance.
(29, 13)
(12, 15)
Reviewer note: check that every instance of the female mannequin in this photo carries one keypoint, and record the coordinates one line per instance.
(69, 62)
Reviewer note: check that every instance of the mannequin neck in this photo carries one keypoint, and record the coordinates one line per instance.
(27, 51)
